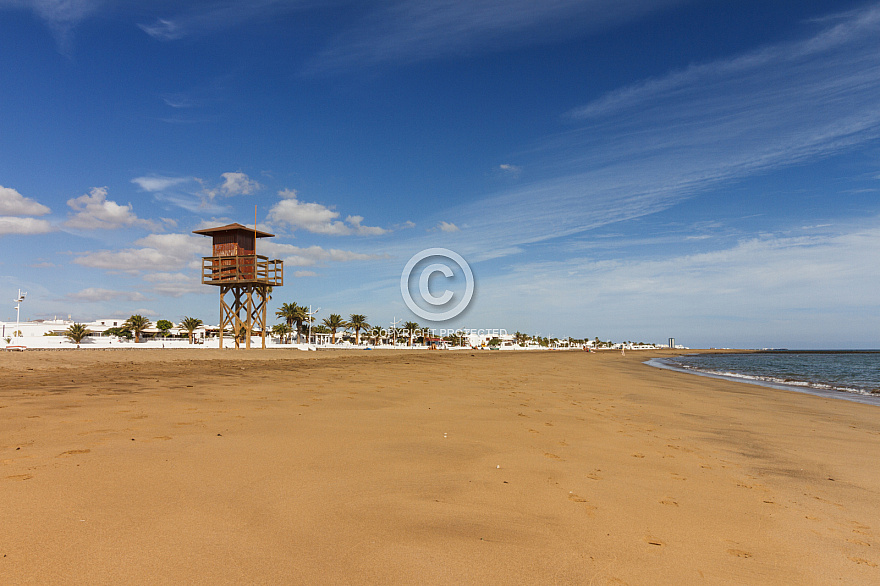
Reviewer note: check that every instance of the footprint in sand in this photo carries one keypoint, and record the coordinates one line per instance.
(862, 561)
(21, 477)
(73, 452)
(739, 553)
(594, 475)
(669, 502)
(582, 502)
(551, 456)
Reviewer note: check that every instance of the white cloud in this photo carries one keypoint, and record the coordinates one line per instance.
(176, 284)
(238, 184)
(299, 274)
(234, 183)
(12, 203)
(14, 225)
(511, 170)
(95, 211)
(355, 223)
(448, 227)
(94, 294)
(311, 255)
(157, 252)
(156, 183)
(317, 218)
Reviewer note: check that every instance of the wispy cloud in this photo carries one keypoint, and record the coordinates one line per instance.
(61, 16)
(198, 18)
(767, 284)
(178, 101)
(97, 294)
(198, 195)
(401, 31)
(154, 183)
(642, 149)
(165, 29)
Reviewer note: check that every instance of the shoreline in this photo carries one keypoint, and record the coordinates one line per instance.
(807, 389)
(438, 467)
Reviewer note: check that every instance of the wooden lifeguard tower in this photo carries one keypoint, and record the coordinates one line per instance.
(237, 268)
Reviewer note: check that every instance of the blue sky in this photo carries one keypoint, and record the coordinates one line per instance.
(632, 170)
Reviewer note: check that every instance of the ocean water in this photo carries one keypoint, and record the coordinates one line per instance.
(853, 375)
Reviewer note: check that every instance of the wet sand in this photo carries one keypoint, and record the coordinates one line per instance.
(352, 467)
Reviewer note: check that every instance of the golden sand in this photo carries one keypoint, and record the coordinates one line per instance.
(287, 467)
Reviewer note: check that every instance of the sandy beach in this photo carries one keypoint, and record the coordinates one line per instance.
(465, 467)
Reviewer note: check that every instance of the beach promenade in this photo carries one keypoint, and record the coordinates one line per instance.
(200, 466)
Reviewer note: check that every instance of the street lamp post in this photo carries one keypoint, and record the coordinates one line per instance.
(311, 313)
(394, 331)
(18, 301)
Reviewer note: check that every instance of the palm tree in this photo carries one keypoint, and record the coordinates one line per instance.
(375, 334)
(294, 314)
(333, 323)
(137, 324)
(411, 328)
(191, 324)
(288, 312)
(357, 322)
(241, 336)
(281, 330)
(77, 332)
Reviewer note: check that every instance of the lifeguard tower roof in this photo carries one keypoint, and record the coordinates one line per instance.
(233, 239)
(233, 228)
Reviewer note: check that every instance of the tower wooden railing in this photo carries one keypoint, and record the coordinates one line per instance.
(231, 270)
